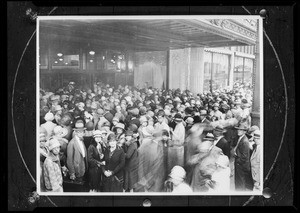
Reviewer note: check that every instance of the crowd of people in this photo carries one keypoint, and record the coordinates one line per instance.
(129, 139)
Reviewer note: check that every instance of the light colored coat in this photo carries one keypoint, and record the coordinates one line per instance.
(255, 166)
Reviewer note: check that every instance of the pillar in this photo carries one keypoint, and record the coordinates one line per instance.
(231, 69)
(255, 115)
(197, 70)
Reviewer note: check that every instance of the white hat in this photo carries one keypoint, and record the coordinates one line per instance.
(177, 173)
(60, 131)
(53, 143)
(223, 161)
(49, 116)
(256, 134)
(97, 133)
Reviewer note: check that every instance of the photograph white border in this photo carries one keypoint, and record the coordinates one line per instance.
(139, 17)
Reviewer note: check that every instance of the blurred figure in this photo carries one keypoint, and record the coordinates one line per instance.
(255, 161)
(131, 162)
(221, 177)
(176, 183)
(49, 125)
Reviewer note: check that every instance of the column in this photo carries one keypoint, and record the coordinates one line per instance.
(255, 115)
(231, 70)
(197, 70)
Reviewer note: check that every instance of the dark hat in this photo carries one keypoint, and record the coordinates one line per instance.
(79, 125)
(89, 126)
(178, 117)
(242, 126)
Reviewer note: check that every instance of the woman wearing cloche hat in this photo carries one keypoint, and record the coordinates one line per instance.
(51, 169)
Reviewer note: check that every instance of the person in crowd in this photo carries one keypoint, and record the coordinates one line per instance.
(176, 147)
(255, 161)
(77, 162)
(95, 161)
(241, 152)
(220, 141)
(221, 176)
(49, 125)
(205, 166)
(52, 171)
(131, 162)
(120, 135)
(88, 134)
(113, 169)
(59, 133)
(176, 181)
(161, 124)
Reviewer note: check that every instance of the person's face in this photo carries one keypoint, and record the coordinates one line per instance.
(128, 137)
(160, 119)
(113, 143)
(241, 132)
(79, 133)
(56, 150)
(256, 140)
(119, 130)
(98, 139)
(165, 138)
(216, 108)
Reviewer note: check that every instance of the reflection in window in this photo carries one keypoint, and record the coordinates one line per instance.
(216, 71)
(243, 69)
(65, 61)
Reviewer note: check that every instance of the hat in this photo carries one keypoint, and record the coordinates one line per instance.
(189, 120)
(129, 133)
(97, 133)
(53, 143)
(60, 131)
(142, 110)
(242, 126)
(203, 112)
(89, 126)
(79, 125)
(49, 116)
(252, 129)
(205, 146)
(150, 113)
(134, 111)
(71, 82)
(81, 105)
(209, 137)
(57, 108)
(143, 119)
(111, 137)
(177, 173)
(120, 125)
(100, 111)
(116, 119)
(256, 134)
(177, 117)
(177, 99)
(43, 137)
(133, 127)
(219, 128)
(106, 123)
(223, 161)
(216, 105)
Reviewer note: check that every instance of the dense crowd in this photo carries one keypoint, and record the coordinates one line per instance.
(128, 139)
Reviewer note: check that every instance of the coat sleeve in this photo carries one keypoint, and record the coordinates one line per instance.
(130, 151)
(245, 152)
(70, 155)
(91, 151)
(226, 148)
(121, 163)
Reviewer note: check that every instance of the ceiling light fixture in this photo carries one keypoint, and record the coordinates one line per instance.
(59, 54)
(92, 52)
(60, 59)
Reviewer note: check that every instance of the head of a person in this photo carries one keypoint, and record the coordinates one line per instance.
(165, 135)
(218, 131)
(97, 135)
(112, 141)
(177, 175)
(256, 136)
(79, 129)
(241, 129)
(160, 116)
(203, 114)
(120, 128)
(129, 135)
(54, 146)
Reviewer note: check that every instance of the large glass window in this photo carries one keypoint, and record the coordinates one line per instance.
(243, 69)
(216, 71)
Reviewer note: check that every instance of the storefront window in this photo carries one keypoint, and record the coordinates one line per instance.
(216, 71)
(61, 61)
(243, 69)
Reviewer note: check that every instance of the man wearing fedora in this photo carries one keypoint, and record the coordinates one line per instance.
(241, 153)
(255, 160)
(220, 141)
(77, 154)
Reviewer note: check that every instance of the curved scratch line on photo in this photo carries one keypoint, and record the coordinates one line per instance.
(286, 106)
(12, 109)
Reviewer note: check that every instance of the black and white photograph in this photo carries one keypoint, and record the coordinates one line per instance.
(149, 105)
